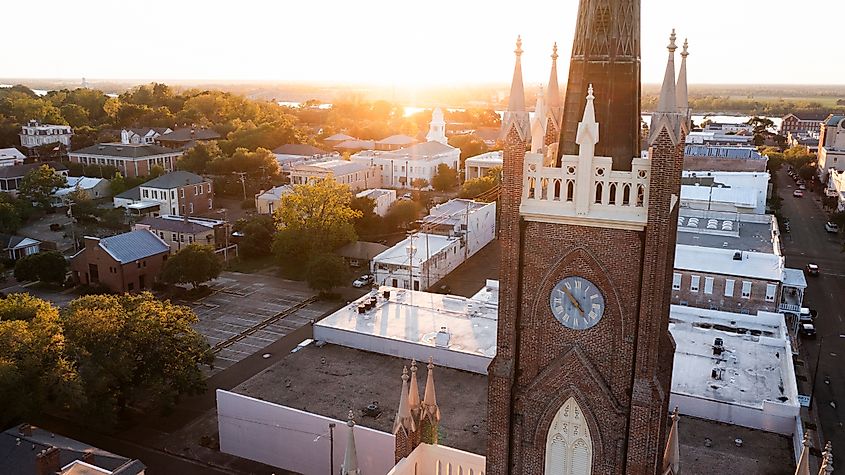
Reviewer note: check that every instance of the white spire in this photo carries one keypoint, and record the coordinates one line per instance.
(672, 454)
(350, 458)
(404, 420)
(682, 92)
(553, 93)
(414, 391)
(538, 124)
(437, 127)
(827, 460)
(668, 95)
(588, 128)
(516, 115)
(430, 408)
(803, 467)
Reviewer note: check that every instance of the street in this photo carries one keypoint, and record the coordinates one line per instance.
(809, 242)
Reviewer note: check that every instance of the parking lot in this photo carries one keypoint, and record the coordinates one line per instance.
(240, 302)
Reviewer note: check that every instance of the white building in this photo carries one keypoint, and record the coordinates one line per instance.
(480, 165)
(735, 192)
(836, 188)
(399, 168)
(716, 137)
(735, 369)
(143, 135)
(456, 331)
(831, 146)
(356, 175)
(474, 221)
(267, 202)
(381, 197)
(95, 188)
(11, 156)
(34, 134)
(289, 155)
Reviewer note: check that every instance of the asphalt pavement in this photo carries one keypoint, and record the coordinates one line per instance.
(809, 242)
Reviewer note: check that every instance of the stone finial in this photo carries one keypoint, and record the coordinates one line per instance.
(685, 50)
(588, 129)
(803, 466)
(350, 457)
(554, 52)
(430, 406)
(672, 453)
(672, 46)
(414, 391)
(518, 50)
(404, 420)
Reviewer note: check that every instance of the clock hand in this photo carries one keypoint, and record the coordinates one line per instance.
(573, 300)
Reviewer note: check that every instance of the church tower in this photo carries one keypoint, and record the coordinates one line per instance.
(581, 379)
(606, 54)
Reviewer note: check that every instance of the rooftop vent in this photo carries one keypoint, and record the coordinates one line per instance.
(737, 256)
(442, 338)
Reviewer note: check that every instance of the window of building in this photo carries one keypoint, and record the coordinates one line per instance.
(209, 187)
(191, 206)
(145, 194)
(209, 204)
(708, 285)
(182, 193)
(196, 190)
(694, 283)
(746, 289)
(173, 237)
(139, 264)
(729, 288)
(771, 290)
(676, 281)
(181, 238)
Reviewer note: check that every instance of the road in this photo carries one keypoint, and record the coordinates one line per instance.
(809, 242)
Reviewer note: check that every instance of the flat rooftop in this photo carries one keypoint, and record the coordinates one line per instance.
(333, 379)
(419, 247)
(489, 158)
(713, 260)
(459, 332)
(737, 235)
(755, 364)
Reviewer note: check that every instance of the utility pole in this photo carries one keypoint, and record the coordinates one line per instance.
(242, 176)
(70, 204)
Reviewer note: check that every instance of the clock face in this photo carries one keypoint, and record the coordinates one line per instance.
(577, 303)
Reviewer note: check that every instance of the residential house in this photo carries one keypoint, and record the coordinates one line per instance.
(30, 450)
(801, 122)
(831, 147)
(382, 198)
(95, 188)
(180, 231)
(176, 193)
(131, 160)
(15, 247)
(489, 135)
(11, 156)
(480, 165)
(143, 135)
(126, 262)
(35, 134)
(186, 137)
(360, 253)
(10, 177)
(358, 176)
(267, 202)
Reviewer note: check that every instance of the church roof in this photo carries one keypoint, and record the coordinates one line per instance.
(424, 150)
(398, 139)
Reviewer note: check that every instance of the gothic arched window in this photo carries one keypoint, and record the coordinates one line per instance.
(569, 447)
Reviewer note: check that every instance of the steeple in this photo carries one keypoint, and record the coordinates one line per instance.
(350, 458)
(516, 115)
(437, 127)
(667, 115)
(538, 125)
(803, 467)
(606, 54)
(404, 422)
(827, 460)
(553, 103)
(672, 454)
(682, 92)
(414, 392)
(430, 416)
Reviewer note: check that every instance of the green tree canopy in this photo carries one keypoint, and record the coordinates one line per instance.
(38, 184)
(193, 264)
(257, 236)
(10, 218)
(325, 272)
(198, 158)
(50, 267)
(445, 179)
(401, 214)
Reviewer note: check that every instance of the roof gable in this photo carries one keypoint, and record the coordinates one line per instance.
(174, 180)
(134, 245)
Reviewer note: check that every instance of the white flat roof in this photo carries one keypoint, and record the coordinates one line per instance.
(489, 158)
(419, 245)
(794, 278)
(410, 324)
(721, 261)
(755, 366)
(742, 197)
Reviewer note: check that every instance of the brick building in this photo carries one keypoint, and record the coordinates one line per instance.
(177, 193)
(801, 122)
(181, 231)
(128, 262)
(581, 377)
(131, 160)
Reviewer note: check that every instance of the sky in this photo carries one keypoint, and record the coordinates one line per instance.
(436, 42)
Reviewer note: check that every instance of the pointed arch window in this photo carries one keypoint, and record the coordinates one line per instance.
(626, 195)
(544, 190)
(569, 446)
(640, 196)
(612, 194)
(557, 190)
(598, 193)
(531, 185)
(570, 190)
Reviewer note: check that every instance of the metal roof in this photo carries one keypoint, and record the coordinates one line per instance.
(18, 171)
(303, 150)
(134, 245)
(187, 134)
(124, 150)
(174, 180)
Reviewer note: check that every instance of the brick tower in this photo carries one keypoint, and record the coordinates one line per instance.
(606, 54)
(580, 382)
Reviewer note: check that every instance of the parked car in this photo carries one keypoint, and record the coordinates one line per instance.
(812, 269)
(831, 227)
(362, 281)
(807, 330)
(802, 187)
(798, 194)
(406, 196)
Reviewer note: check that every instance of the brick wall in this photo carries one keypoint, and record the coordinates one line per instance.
(201, 196)
(118, 277)
(717, 298)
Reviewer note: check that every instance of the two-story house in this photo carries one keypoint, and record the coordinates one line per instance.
(35, 134)
(181, 231)
(126, 262)
(177, 193)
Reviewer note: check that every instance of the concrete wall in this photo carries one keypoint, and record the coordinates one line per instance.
(403, 349)
(295, 440)
(439, 459)
(773, 417)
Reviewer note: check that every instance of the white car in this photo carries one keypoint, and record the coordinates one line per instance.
(831, 227)
(362, 281)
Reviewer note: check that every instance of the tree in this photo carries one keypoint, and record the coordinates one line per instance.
(318, 215)
(369, 223)
(807, 171)
(470, 145)
(133, 350)
(117, 184)
(325, 272)
(38, 184)
(445, 179)
(22, 306)
(477, 186)
(10, 218)
(49, 267)
(401, 214)
(198, 158)
(193, 264)
(257, 236)
(419, 183)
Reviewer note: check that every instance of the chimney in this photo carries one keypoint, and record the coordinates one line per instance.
(47, 462)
